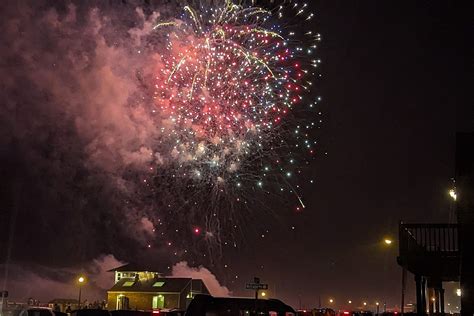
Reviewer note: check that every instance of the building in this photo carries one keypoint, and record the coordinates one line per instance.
(437, 253)
(137, 288)
(465, 217)
(131, 271)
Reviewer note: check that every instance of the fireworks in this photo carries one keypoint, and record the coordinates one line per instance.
(224, 91)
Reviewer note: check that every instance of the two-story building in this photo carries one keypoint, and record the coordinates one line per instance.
(137, 288)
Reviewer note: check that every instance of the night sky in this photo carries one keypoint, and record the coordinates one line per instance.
(395, 92)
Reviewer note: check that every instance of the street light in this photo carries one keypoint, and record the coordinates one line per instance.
(331, 300)
(81, 280)
(388, 241)
(365, 303)
(350, 302)
(458, 292)
(263, 294)
(452, 194)
(377, 304)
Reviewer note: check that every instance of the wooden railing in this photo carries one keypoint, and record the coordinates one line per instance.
(428, 239)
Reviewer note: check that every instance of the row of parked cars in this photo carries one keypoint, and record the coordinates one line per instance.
(45, 311)
(331, 312)
(201, 305)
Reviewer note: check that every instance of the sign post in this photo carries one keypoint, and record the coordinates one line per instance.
(256, 286)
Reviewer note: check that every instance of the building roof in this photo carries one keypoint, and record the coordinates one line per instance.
(199, 286)
(129, 267)
(155, 285)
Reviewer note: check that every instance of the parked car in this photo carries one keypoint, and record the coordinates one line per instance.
(316, 312)
(207, 305)
(169, 312)
(324, 312)
(89, 312)
(362, 313)
(129, 313)
(36, 311)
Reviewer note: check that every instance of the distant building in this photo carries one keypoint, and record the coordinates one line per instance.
(146, 289)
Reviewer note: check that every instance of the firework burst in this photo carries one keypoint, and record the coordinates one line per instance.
(225, 89)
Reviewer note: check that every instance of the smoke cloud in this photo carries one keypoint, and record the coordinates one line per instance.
(44, 284)
(182, 269)
(75, 135)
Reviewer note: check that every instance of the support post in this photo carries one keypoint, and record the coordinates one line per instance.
(441, 300)
(404, 277)
(423, 294)
(437, 302)
(419, 311)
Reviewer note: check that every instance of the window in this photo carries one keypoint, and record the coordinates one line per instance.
(128, 283)
(158, 284)
(158, 301)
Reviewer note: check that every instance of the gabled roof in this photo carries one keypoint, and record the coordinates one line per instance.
(138, 267)
(198, 286)
(155, 285)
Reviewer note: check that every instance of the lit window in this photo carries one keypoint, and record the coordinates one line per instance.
(128, 283)
(158, 284)
(158, 301)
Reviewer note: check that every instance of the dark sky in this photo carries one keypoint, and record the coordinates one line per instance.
(395, 91)
(394, 95)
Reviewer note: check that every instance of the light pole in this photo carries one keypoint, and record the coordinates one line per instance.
(377, 304)
(388, 242)
(81, 281)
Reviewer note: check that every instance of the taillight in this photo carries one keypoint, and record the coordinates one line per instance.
(346, 313)
(156, 312)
